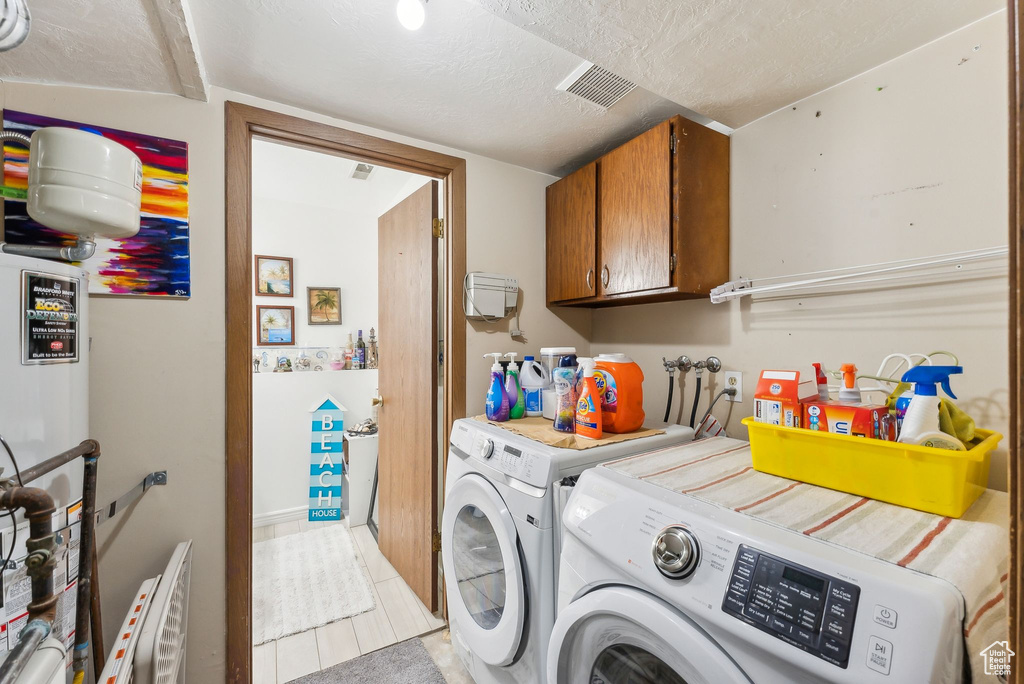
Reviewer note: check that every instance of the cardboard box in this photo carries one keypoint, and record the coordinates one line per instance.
(776, 399)
(859, 420)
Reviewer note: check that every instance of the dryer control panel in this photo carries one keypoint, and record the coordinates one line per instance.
(800, 606)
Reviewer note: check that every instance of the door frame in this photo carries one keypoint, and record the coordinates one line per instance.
(1015, 23)
(241, 124)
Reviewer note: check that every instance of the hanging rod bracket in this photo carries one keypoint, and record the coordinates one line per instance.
(730, 290)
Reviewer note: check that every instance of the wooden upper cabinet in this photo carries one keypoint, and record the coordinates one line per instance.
(651, 218)
(635, 214)
(572, 236)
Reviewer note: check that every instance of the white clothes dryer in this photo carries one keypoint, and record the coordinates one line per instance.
(660, 587)
(499, 541)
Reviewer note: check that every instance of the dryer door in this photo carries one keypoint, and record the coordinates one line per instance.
(617, 635)
(482, 571)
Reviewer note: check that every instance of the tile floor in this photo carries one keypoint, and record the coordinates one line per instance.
(398, 615)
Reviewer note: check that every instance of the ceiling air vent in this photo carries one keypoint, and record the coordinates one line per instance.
(596, 85)
(362, 171)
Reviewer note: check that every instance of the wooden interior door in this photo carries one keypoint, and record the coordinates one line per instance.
(407, 380)
(572, 236)
(634, 214)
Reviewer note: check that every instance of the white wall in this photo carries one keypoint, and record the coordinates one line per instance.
(281, 431)
(157, 367)
(906, 160)
(307, 206)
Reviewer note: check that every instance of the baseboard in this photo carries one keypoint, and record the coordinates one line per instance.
(275, 517)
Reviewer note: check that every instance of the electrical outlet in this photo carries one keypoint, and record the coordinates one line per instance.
(734, 379)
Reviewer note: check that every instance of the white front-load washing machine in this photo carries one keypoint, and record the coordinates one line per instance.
(499, 542)
(660, 587)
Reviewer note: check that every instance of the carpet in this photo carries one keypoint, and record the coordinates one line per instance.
(403, 663)
(306, 580)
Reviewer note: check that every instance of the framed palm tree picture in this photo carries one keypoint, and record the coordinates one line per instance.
(324, 305)
(275, 325)
(274, 276)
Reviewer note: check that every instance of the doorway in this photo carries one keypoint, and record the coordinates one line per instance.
(406, 497)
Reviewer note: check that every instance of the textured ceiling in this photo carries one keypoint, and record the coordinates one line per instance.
(481, 74)
(466, 79)
(737, 60)
(126, 44)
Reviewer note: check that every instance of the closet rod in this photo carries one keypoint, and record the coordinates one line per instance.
(854, 275)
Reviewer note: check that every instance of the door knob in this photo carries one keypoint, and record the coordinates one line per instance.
(377, 401)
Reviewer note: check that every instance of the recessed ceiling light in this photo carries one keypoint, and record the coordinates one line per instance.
(411, 13)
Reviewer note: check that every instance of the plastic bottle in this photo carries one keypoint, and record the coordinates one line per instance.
(564, 377)
(516, 401)
(620, 384)
(496, 405)
(849, 393)
(588, 406)
(534, 379)
(921, 423)
(822, 381)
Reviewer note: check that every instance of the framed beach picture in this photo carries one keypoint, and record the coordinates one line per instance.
(275, 325)
(274, 276)
(324, 305)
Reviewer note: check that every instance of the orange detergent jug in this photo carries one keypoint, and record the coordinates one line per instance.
(621, 383)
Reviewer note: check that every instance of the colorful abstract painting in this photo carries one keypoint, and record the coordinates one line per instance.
(155, 262)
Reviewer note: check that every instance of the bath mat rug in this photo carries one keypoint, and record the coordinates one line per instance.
(402, 663)
(306, 580)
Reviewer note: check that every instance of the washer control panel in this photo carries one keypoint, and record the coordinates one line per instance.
(509, 459)
(800, 606)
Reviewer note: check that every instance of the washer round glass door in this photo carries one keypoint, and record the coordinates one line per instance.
(616, 635)
(482, 571)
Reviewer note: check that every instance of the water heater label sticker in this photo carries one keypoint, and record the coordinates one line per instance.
(50, 324)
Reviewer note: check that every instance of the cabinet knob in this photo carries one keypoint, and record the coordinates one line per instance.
(605, 276)
(590, 279)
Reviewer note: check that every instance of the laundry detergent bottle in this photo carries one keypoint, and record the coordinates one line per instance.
(514, 390)
(564, 377)
(620, 384)
(534, 378)
(496, 405)
(921, 423)
(588, 406)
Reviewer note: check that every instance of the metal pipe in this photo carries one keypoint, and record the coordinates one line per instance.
(85, 565)
(89, 446)
(33, 634)
(41, 545)
(80, 251)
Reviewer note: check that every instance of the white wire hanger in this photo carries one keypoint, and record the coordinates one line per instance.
(942, 266)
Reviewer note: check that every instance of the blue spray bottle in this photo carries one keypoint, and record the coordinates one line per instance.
(496, 406)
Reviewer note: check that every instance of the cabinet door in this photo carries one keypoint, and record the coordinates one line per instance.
(634, 214)
(571, 236)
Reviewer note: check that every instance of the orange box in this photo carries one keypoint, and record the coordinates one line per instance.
(858, 420)
(777, 398)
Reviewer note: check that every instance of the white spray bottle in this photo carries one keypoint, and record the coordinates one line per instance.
(921, 423)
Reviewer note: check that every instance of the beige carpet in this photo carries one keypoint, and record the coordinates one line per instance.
(306, 580)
